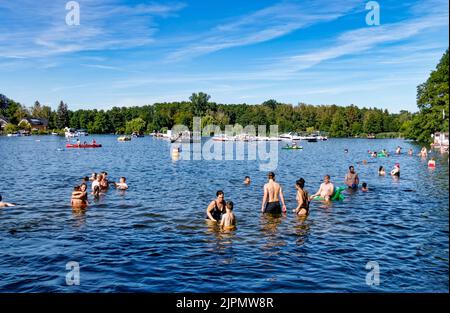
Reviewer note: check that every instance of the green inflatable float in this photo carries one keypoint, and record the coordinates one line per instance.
(337, 196)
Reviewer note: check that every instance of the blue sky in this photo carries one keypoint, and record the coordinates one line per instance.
(127, 52)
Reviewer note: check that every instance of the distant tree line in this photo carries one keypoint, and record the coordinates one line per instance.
(337, 121)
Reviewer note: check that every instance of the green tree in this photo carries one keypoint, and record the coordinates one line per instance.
(199, 103)
(62, 119)
(433, 103)
(135, 125)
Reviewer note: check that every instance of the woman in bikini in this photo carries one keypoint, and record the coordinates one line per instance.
(302, 198)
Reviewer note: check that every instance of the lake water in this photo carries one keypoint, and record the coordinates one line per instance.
(153, 237)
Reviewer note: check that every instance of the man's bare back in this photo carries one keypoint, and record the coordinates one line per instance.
(273, 190)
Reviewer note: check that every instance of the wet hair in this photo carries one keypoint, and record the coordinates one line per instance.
(83, 184)
(351, 167)
(76, 188)
(364, 185)
(230, 205)
(271, 175)
(124, 179)
(0, 198)
(94, 174)
(328, 176)
(86, 178)
(219, 192)
(300, 182)
(380, 168)
(247, 177)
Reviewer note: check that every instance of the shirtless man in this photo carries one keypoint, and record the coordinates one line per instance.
(5, 204)
(216, 208)
(326, 189)
(228, 221)
(272, 190)
(351, 178)
(122, 185)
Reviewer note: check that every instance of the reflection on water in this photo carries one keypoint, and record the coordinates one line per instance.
(153, 236)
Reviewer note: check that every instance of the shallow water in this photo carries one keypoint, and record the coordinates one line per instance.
(153, 238)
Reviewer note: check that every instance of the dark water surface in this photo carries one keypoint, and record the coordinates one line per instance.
(153, 237)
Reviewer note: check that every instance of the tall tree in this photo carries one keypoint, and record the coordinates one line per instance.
(62, 115)
(433, 103)
(199, 103)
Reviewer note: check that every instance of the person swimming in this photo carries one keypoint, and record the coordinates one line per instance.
(122, 185)
(302, 197)
(216, 208)
(396, 170)
(228, 221)
(410, 151)
(5, 204)
(381, 171)
(432, 163)
(93, 177)
(398, 150)
(272, 196)
(374, 154)
(326, 189)
(247, 180)
(351, 178)
(79, 196)
(364, 187)
(423, 152)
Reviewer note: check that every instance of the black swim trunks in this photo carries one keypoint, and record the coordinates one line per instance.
(273, 208)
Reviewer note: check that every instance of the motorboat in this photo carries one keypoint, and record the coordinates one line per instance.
(223, 137)
(290, 136)
(82, 132)
(70, 133)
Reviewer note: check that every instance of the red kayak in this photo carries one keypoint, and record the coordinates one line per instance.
(88, 145)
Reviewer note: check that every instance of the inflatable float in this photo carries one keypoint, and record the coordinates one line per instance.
(337, 196)
(88, 145)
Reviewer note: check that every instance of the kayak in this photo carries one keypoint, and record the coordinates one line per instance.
(293, 147)
(337, 196)
(88, 145)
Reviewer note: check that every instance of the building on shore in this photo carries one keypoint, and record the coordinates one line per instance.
(3, 122)
(36, 124)
(440, 141)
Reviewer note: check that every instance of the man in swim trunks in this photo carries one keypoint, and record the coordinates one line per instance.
(326, 189)
(351, 179)
(5, 204)
(216, 208)
(272, 190)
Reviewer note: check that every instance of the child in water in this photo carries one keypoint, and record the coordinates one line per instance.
(364, 187)
(5, 204)
(432, 163)
(228, 221)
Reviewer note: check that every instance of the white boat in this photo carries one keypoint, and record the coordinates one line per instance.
(16, 134)
(82, 132)
(223, 137)
(290, 136)
(70, 133)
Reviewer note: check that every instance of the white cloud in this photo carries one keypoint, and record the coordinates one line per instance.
(34, 29)
(263, 25)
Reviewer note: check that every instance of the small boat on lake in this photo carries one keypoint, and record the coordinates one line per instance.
(124, 138)
(83, 145)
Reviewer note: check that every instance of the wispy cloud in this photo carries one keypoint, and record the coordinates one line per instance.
(363, 39)
(263, 25)
(32, 29)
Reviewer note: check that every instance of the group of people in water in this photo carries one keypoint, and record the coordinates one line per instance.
(99, 185)
(273, 201)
